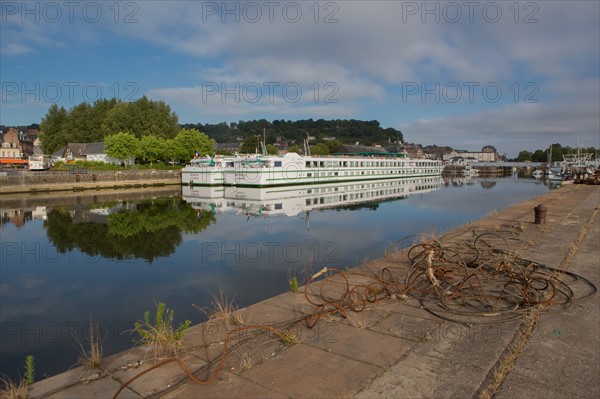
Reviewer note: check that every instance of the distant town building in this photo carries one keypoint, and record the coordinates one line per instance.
(226, 148)
(282, 146)
(16, 144)
(85, 152)
(487, 154)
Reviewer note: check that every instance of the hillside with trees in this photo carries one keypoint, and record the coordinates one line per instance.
(149, 121)
(294, 132)
(148, 131)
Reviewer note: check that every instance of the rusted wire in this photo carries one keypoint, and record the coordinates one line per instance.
(479, 280)
(485, 277)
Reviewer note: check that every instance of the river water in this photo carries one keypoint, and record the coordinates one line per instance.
(110, 257)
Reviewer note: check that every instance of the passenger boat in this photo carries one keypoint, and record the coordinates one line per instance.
(207, 171)
(291, 169)
(273, 170)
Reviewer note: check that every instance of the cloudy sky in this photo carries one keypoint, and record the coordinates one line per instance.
(516, 75)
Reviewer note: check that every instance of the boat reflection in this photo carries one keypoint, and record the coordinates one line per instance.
(294, 200)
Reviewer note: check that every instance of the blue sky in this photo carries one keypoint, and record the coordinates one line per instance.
(516, 75)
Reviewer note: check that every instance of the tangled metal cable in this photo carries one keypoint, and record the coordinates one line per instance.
(479, 280)
(485, 276)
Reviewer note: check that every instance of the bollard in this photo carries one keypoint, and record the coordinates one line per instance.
(540, 214)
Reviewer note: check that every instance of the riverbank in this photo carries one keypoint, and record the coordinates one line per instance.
(32, 182)
(394, 347)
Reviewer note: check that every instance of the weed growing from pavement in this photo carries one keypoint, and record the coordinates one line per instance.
(13, 390)
(91, 356)
(159, 334)
(29, 369)
(223, 310)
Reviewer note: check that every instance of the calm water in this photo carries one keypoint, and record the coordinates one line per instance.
(111, 258)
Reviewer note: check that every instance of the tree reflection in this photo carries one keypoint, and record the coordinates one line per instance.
(143, 230)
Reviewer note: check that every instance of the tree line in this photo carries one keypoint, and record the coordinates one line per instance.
(89, 123)
(143, 129)
(294, 132)
(149, 131)
(556, 150)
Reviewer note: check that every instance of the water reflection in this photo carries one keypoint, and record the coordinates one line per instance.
(301, 200)
(144, 230)
(88, 255)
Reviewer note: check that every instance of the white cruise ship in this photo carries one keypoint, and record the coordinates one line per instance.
(292, 169)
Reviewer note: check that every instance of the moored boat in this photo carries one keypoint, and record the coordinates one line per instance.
(206, 171)
(538, 173)
(291, 168)
(469, 171)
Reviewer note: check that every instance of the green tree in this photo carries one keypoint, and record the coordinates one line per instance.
(333, 145)
(557, 152)
(52, 135)
(142, 117)
(272, 150)
(293, 148)
(118, 119)
(250, 145)
(79, 126)
(538, 156)
(524, 156)
(319, 149)
(193, 140)
(152, 148)
(175, 151)
(122, 145)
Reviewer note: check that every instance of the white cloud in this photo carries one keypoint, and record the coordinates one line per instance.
(368, 53)
(14, 49)
(512, 128)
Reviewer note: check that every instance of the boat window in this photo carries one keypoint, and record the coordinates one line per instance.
(314, 164)
(308, 174)
(277, 163)
(335, 173)
(278, 206)
(322, 164)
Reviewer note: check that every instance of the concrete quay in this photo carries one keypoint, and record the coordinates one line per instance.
(394, 348)
(48, 182)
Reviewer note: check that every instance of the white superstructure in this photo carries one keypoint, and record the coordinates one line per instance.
(291, 169)
(207, 171)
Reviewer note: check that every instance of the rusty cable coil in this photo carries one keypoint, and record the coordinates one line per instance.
(467, 281)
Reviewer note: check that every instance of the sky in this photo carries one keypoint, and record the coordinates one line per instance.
(515, 75)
